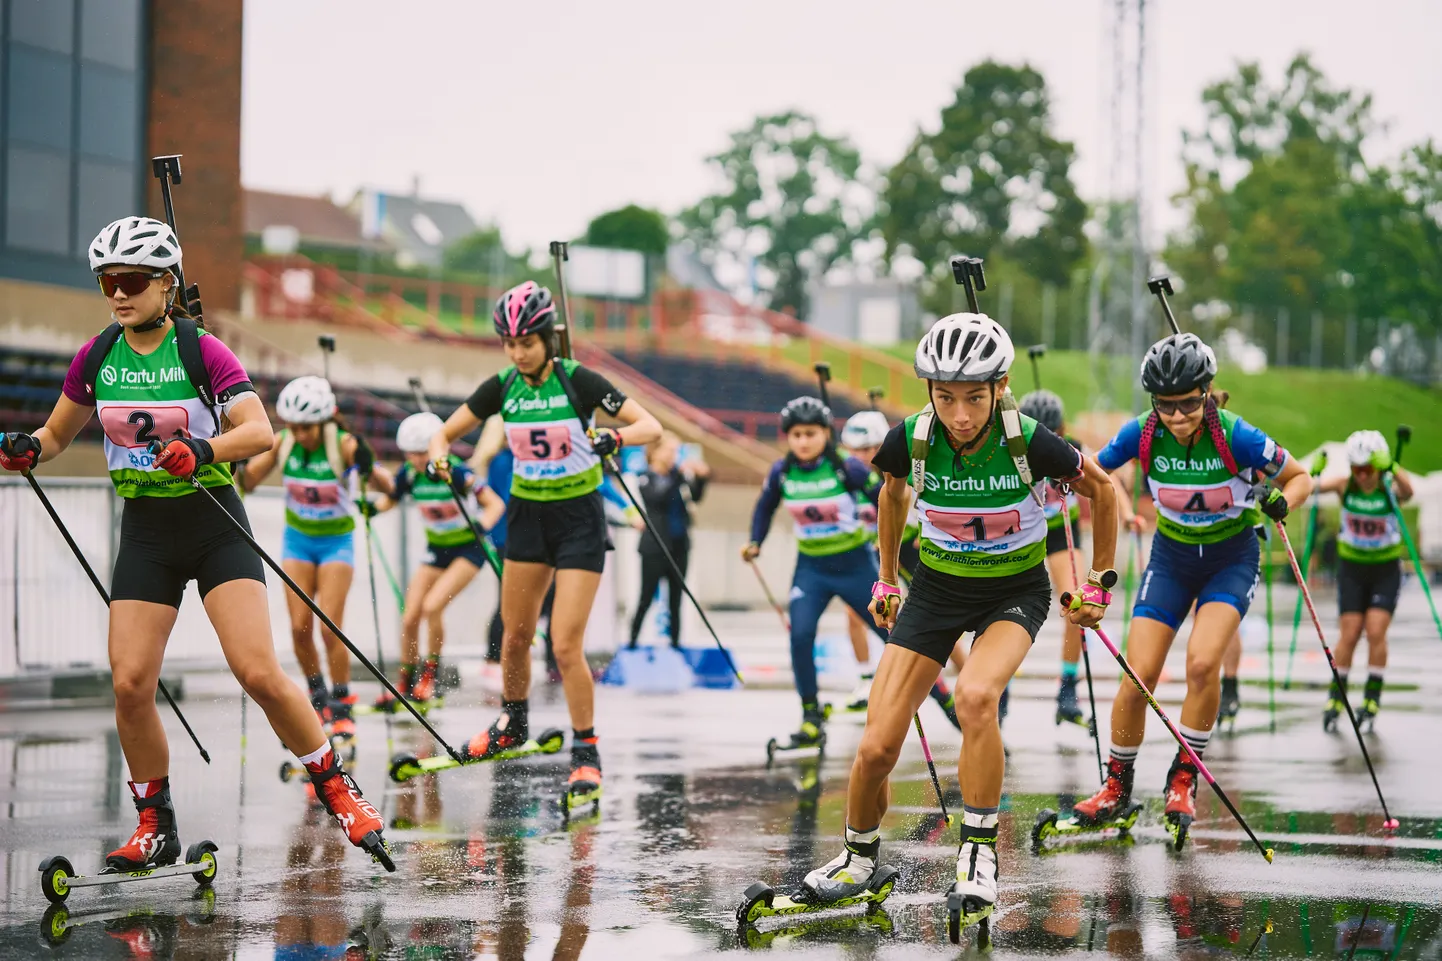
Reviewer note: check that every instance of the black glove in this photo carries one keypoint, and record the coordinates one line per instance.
(19, 451)
(1274, 505)
(365, 458)
(438, 471)
(605, 441)
(366, 507)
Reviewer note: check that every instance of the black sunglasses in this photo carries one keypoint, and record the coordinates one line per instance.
(133, 282)
(1188, 405)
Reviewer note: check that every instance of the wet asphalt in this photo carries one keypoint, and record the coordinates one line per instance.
(693, 815)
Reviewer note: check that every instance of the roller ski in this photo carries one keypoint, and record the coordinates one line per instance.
(1181, 806)
(854, 877)
(972, 899)
(143, 928)
(1230, 706)
(1109, 814)
(1068, 708)
(388, 704)
(583, 787)
(506, 739)
(339, 794)
(811, 738)
(861, 696)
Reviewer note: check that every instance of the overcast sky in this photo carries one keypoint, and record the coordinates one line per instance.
(539, 116)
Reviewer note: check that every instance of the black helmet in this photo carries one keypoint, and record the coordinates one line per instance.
(1177, 364)
(805, 410)
(1044, 407)
(524, 309)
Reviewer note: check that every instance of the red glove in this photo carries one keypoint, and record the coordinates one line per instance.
(19, 451)
(183, 456)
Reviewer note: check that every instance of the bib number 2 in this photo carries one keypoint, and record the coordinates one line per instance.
(139, 426)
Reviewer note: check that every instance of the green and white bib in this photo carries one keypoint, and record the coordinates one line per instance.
(444, 523)
(554, 459)
(823, 512)
(1369, 533)
(1199, 501)
(317, 502)
(144, 398)
(980, 520)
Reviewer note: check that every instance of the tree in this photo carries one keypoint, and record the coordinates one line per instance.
(993, 180)
(791, 201)
(630, 228)
(484, 253)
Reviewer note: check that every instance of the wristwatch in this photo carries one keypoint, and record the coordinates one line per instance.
(1106, 579)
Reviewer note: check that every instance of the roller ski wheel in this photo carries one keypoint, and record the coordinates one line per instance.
(406, 766)
(573, 801)
(55, 926)
(1051, 826)
(761, 901)
(375, 845)
(965, 911)
(1178, 826)
(58, 877)
(795, 746)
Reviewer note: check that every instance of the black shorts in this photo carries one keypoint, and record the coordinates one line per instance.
(1056, 538)
(942, 607)
(567, 535)
(167, 541)
(909, 557)
(1361, 587)
(444, 557)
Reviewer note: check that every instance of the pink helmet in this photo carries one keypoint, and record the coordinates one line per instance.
(524, 309)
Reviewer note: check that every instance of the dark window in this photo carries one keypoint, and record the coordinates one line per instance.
(37, 191)
(43, 23)
(109, 113)
(110, 32)
(39, 99)
(106, 192)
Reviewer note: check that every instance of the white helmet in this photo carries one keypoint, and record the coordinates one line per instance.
(1362, 444)
(964, 347)
(867, 428)
(416, 431)
(306, 400)
(135, 242)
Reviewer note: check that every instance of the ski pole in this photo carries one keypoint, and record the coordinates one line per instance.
(1411, 549)
(823, 377)
(327, 347)
(376, 612)
(1161, 286)
(968, 272)
(325, 619)
(1177, 735)
(166, 169)
(105, 596)
(1271, 675)
(931, 766)
(1035, 352)
(1308, 546)
(391, 577)
(1086, 657)
(873, 395)
(770, 599)
(1390, 823)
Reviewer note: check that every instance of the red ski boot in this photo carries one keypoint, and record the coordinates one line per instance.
(339, 794)
(1111, 802)
(155, 842)
(1181, 809)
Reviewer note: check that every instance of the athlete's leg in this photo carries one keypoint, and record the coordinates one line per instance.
(421, 583)
(138, 632)
(1147, 648)
(1349, 632)
(810, 593)
(333, 582)
(241, 618)
(902, 680)
(450, 583)
(856, 628)
(1212, 630)
(652, 569)
(1377, 621)
(575, 593)
(1232, 656)
(676, 591)
(995, 657)
(523, 588)
(302, 620)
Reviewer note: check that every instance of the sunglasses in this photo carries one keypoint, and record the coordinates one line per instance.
(1189, 405)
(133, 282)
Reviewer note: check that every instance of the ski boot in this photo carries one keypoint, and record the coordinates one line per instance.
(946, 701)
(1181, 806)
(972, 898)
(584, 785)
(1231, 703)
(1068, 709)
(427, 686)
(386, 703)
(811, 737)
(507, 732)
(155, 842)
(862, 695)
(339, 794)
(1371, 704)
(852, 878)
(1110, 810)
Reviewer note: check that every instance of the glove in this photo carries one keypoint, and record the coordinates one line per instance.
(750, 552)
(183, 456)
(439, 470)
(1089, 594)
(605, 441)
(366, 507)
(1274, 505)
(1319, 463)
(365, 458)
(883, 595)
(1382, 461)
(19, 451)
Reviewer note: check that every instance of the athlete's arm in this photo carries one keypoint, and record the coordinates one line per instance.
(1121, 450)
(1057, 459)
(64, 422)
(1401, 483)
(765, 508)
(1334, 486)
(1256, 450)
(382, 480)
(258, 468)
(492, 507)
(641, 427)
(249, 435)
(892, 505)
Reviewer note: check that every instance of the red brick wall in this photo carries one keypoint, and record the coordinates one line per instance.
(194, 110)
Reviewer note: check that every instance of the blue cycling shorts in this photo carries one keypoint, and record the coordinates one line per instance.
(318, 549)
(1179, 575)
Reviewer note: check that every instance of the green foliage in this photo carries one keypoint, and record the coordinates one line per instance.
(791, 200)
(1287, 215)
(993, 181)
(630, 228)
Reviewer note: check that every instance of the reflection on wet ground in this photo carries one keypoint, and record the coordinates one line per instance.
(692, 816)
